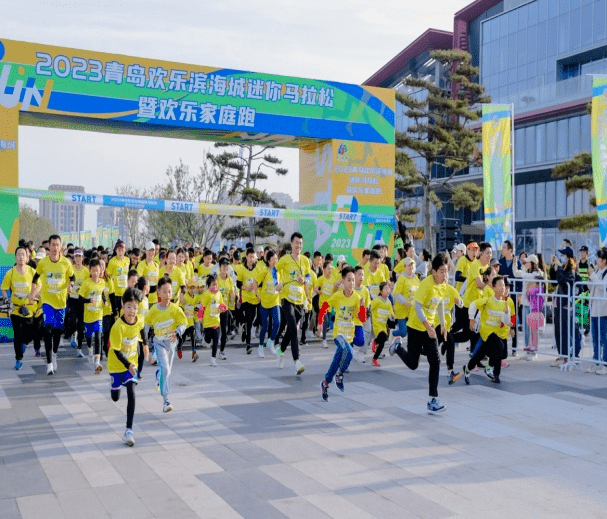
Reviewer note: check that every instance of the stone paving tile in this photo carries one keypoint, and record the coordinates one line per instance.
(249, 440)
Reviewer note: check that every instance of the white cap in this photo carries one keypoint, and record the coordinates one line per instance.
(461, 247)
(195, 245)
(532, 258)
(150, 245)
(40, 254)
(341, 258)
(408, 261)
(260, 248)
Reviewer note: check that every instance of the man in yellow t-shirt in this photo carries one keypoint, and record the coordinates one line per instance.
(150, 269)
(118, 270)
(57, 279)
(374, 275)
(249, 292)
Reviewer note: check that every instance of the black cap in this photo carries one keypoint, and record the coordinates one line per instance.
(584, 248)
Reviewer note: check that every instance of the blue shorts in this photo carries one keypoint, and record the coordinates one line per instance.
(91, 328)
(53, 316)
(121, 379)
(359, 336)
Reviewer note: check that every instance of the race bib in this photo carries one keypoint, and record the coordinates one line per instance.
(296, 292)
(374, 290)
(189, 311)
(21, 289)
(383, 315)
(164, 328)
(214, 309)
(345, 328)
(129, 346)
(121, 281)
(95, 304)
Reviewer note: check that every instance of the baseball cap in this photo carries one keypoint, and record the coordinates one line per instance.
(78, 252)
(494, 262)
(584, 248)
(260, 249)
(120, 243)
(532, 258)
(408, 261)
(567, 251)
(224, 261)
(461, 247)
(341, 258)
(191, 283)
(150, 245)
(40, 254)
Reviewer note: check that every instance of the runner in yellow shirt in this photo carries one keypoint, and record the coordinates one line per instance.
(118, 269)
(211, 307)
(268, 281)
(381, 312)
(91, 293)
(175, 275)
(81, 274)
(325, 288)
(189, 306)
(150, 269)
(404, 292)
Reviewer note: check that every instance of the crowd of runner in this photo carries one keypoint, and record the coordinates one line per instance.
(153, 304)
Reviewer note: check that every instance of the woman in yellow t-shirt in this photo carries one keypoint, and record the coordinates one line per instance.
(211, 307)
(268, 281)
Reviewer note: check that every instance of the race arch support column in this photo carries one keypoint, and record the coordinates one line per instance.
(347, 176)
(9, 205)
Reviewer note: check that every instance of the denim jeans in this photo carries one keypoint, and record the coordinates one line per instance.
(598, 328)
(401, 328)
(265, 315)
(341, 359)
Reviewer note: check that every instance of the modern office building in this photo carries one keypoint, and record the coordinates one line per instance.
(65, 216)
(538, 56)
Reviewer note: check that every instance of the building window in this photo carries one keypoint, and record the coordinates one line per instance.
(550, 199)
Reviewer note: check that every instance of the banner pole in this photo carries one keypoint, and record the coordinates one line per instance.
(513, 190)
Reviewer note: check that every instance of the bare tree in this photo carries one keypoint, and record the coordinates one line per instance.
(131, 218)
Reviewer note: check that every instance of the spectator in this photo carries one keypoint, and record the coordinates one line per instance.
(598, 312)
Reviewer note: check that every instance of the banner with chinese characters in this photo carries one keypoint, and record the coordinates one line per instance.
(497, 174)
(349, 179)
(139, 94)
(599, 151)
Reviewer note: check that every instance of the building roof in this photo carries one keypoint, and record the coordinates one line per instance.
(475, 9)
(431, 39)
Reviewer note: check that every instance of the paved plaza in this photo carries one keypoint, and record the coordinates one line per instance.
(249, 440)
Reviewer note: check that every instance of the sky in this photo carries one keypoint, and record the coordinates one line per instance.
(339, 40)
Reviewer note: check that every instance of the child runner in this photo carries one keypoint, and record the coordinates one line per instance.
(325, 287)
(347, 304)
(108, 317)
(176, 276)
(426, 320)
(168, 322)
(144, 307)
(150, 270)
(494, 315)
(188, 305)
(268, 280)
(359, 332)
(125, 336)
(81, 274)
(226, 285)
(118, 269)
(92, 296)
(381, 310)
(404, 292)
(211, 306)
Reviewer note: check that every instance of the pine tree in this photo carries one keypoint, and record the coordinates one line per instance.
(441, 135)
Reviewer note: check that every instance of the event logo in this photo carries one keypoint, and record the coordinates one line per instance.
(343, 152)
(10, 95)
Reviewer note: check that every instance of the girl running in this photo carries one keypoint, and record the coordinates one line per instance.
(268, 280)
(211, 306)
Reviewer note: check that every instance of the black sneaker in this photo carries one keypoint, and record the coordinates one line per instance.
(466, 374)
(339, 381)
(443, 348)
(325, 391)
(481, 365)
(454, 377)
(249, 349)
(303, 340)
(496, 380)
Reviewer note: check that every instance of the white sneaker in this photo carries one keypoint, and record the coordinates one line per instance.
(281, 361)
(592, 368)
(90, 356)
(49, 369)
(80, 354)
(557, 363)
(213, 362)
(260, 352)
(601, 371)
(531, 356)
(167, 408)
(299, 367)
(361, 357)
(270, 346)
(54, 357)
(324, 344)
(128, 437)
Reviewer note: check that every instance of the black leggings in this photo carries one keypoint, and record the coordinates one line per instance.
(189, 332)
(37, 331)
(130, 406)
(249, 312)
(108, 322)
(420, 343)
(448, 347)
(78, 307)
(380, 340)
(96, 340)
(212, 335)
(52, 338)
(291, 314)
(224, 320)
(20, 324)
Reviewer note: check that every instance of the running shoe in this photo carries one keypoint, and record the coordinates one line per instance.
(180, 353)
(213, 362)
(489, 372)
(195, 356)
(373, 346)
(324, 344)
(98, 368)
(222, 356)
(324, 390)
(167, 408)
(454, 377)
(505, 364)
(260, 352)
(339, 381)
(38, 353)
(299, 367)
(157, 384)
(394, 346)
(434, 406)
(280, 359)
(73, 344)
(128, 437)
(49, 369)
(375, 362)
(18, 365)
(54, 357)
(80, 354)
(249, 349)
(270, 346)
(466, 374)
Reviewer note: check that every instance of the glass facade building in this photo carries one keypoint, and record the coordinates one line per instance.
(538, 56)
